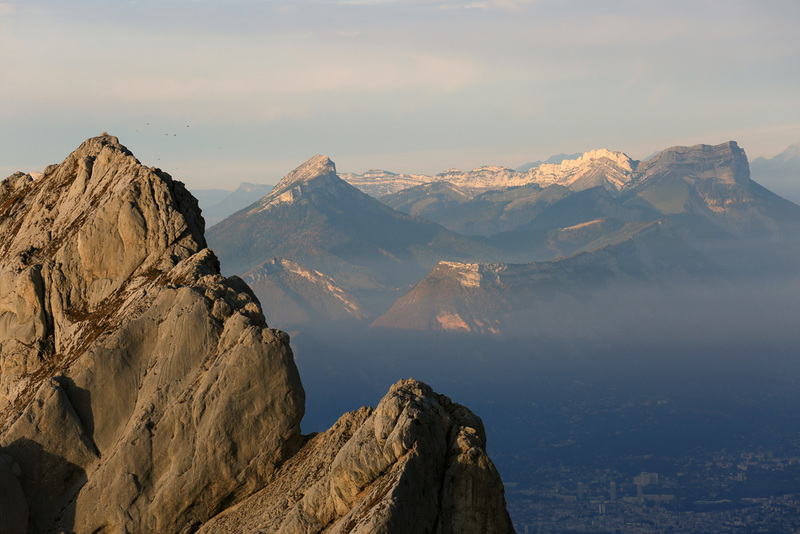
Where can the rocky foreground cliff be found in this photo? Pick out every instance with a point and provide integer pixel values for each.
(141, 391)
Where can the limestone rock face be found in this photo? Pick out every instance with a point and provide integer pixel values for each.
(139, 389)
(416, 463)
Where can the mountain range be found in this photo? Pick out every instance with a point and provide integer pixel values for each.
(372, 251)
(314, 218)
(598, 167)
(710, 183)
(500, 297)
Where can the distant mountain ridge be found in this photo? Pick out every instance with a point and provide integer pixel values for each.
(292, 295)
(612, 237)
(372, 252)
(377, 183)
(476, 213)
(484, 297)
(557, 159)
(597, 167)
(781, 173)
(707, 187)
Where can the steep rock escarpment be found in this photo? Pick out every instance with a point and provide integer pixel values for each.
(712, 182)
(141, 391)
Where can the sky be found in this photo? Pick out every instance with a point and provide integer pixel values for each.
(219, 92)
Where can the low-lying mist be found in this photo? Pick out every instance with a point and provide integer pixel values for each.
(630, 370)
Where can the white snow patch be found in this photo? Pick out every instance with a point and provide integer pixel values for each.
(614, 166)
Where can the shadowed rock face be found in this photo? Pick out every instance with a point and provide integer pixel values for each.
(13, 506)
(141, 391)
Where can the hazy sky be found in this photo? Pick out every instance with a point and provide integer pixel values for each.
(217, 92)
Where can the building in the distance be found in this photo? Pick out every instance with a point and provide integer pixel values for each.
(645, 479)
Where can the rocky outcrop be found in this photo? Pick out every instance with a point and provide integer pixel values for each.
(141, 391)
(417, 463)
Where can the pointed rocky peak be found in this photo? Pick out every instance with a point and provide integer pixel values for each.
(317, 173)
(95, 225)
(94, 145)
(106, 290)
(318, 167)
(101, 183)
